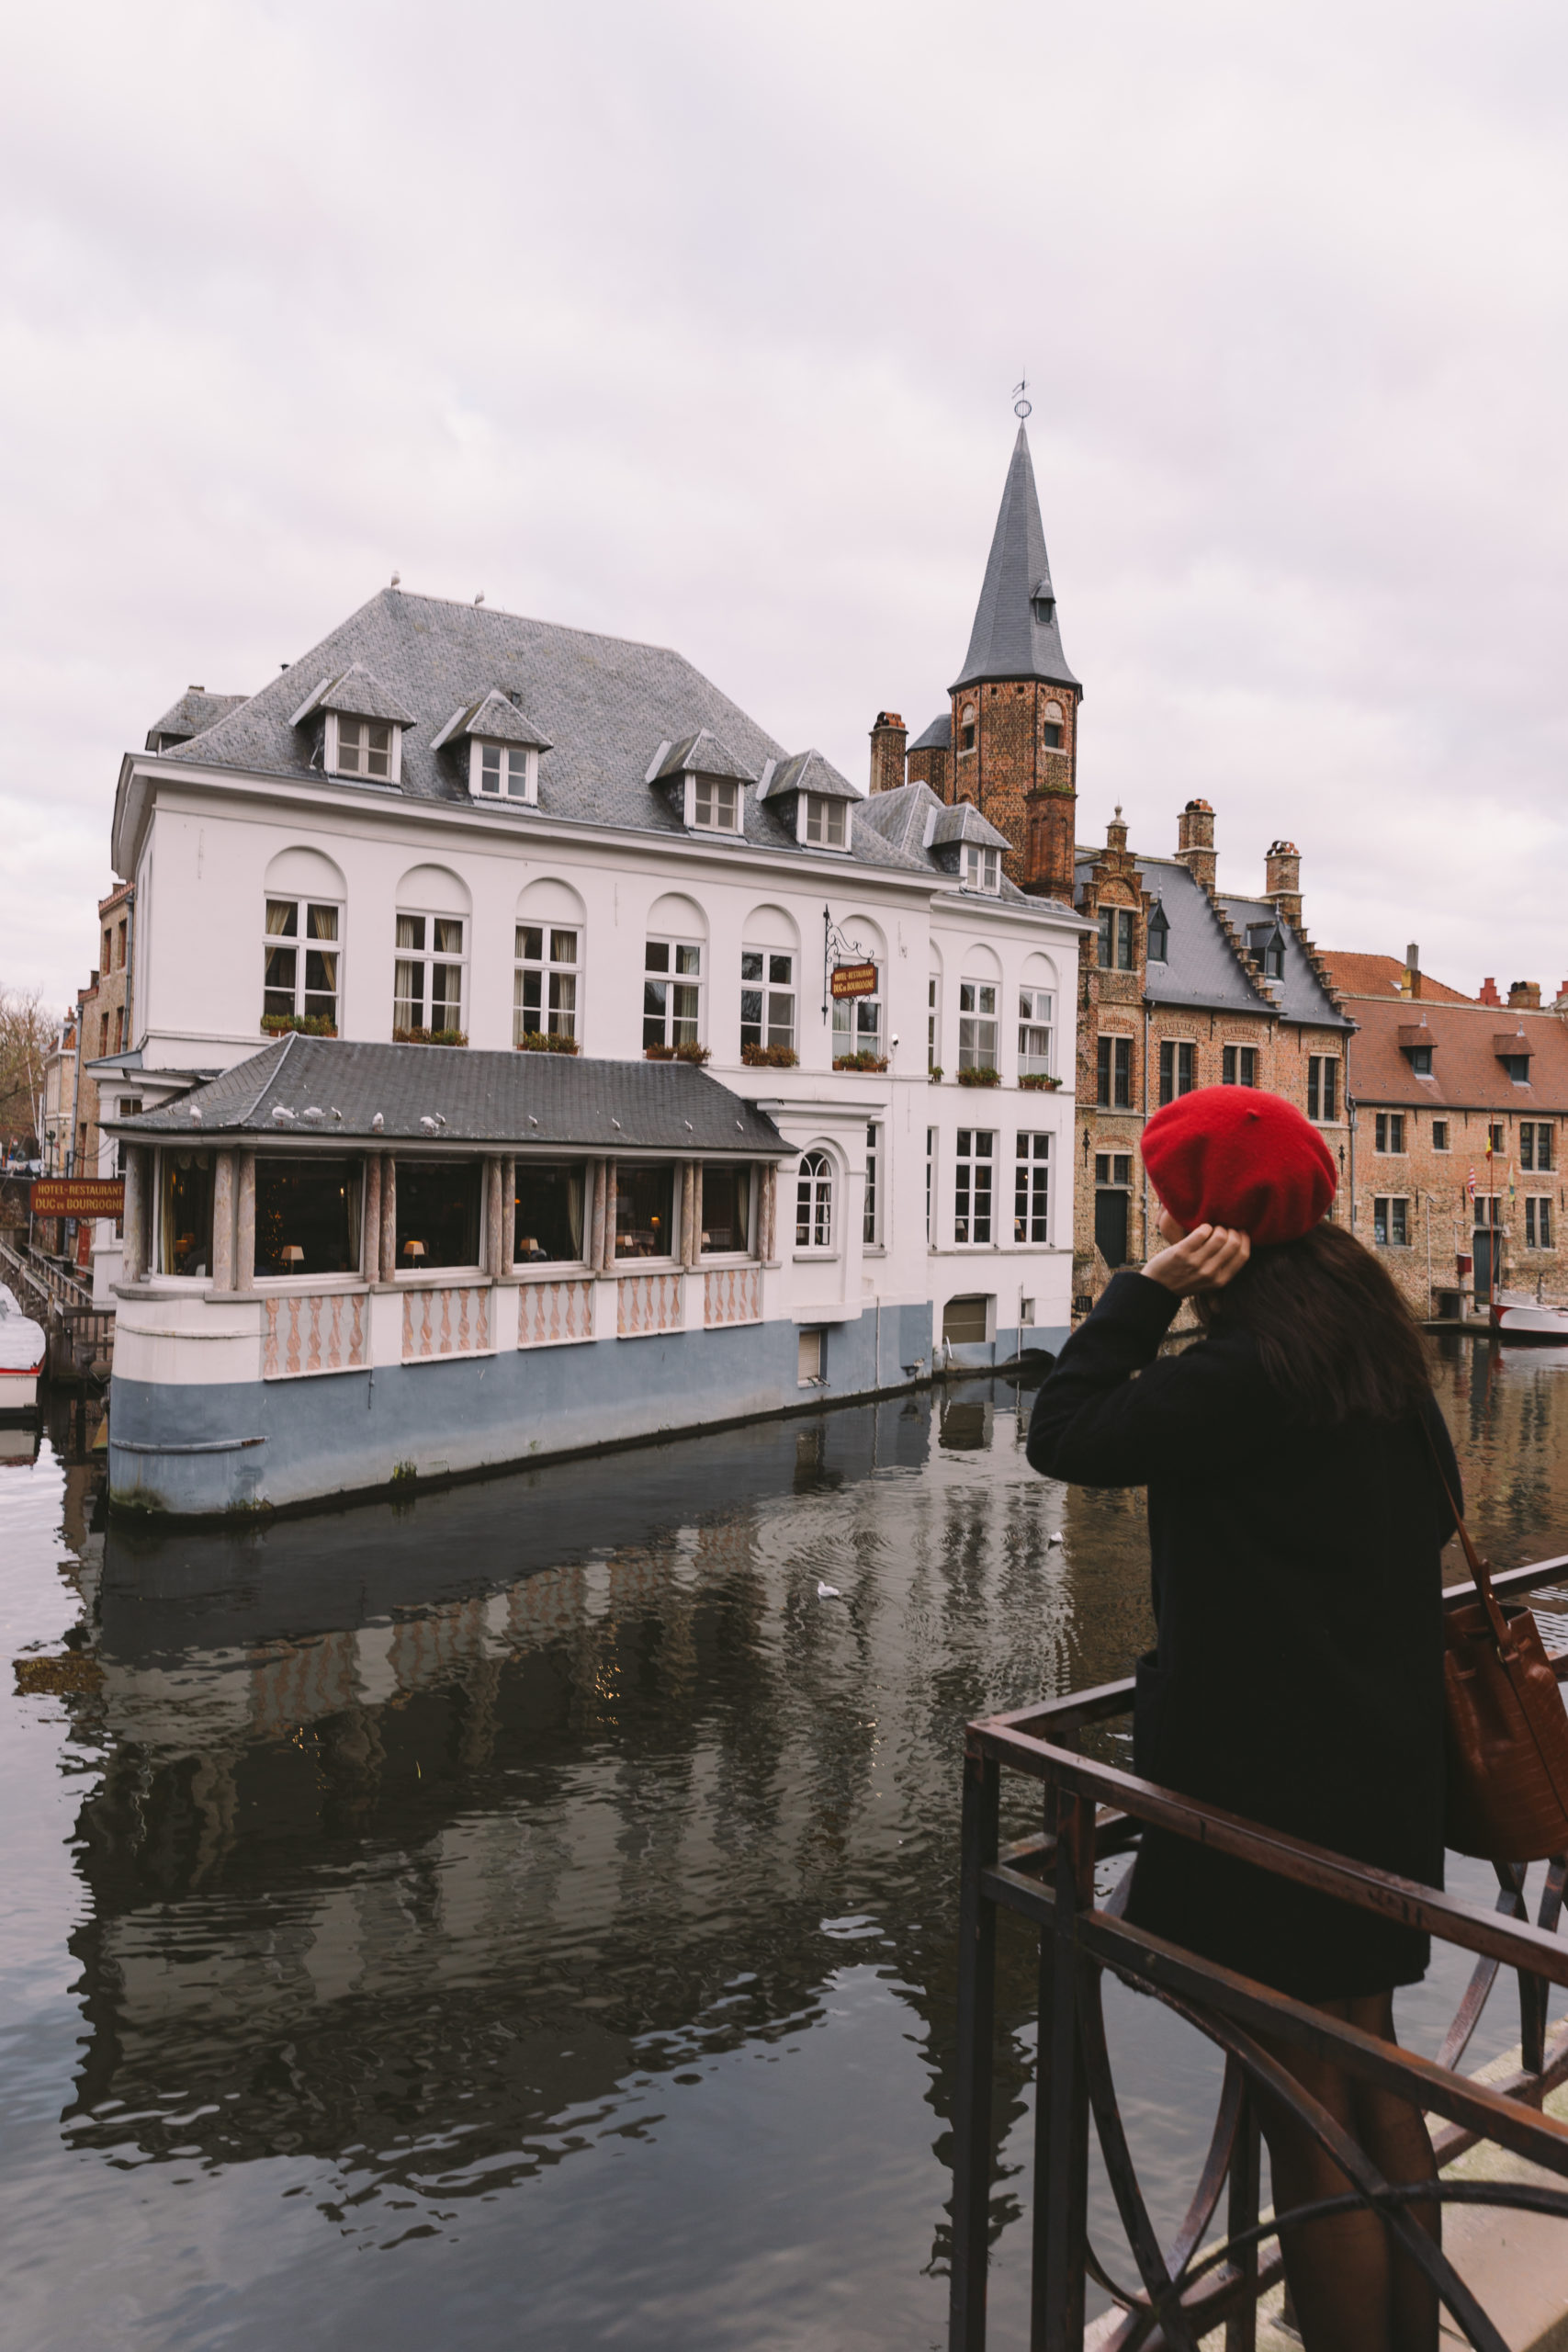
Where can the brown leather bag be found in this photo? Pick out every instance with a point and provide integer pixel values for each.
(1507, 1731)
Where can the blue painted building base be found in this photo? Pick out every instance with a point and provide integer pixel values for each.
(203, 1452)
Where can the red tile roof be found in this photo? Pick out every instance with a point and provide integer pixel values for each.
(1380, 976)
(1467, 1074)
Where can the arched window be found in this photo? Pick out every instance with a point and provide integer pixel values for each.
(814, 1203)
(1051, 727)
(966, 728)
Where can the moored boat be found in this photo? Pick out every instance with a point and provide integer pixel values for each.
(1517, 1317)
(22, 1350)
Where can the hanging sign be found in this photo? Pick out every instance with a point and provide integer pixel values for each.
(853, 980)
(78, 1196)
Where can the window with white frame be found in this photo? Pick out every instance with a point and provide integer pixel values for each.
(931, 1187)
(1390, 1222)
(302, 973)
(813, 1202)
(1032, 1189)
(1537, 1222)
(869, 1230)
(366, 747)
(972, 1185)
(1036, 1016)
(767, 998)
(977, 1025)
(982, 868)
(715, 804)
(500, 771)
(824, 821)
(427, 977)
(672, 993)
(934, 1010)
(545, 981)
(857, 1022)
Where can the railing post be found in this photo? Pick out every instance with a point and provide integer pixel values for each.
(1241, 2215)
(1061, 2167)
(976, 2016)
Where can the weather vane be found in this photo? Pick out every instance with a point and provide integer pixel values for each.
(1022, 407)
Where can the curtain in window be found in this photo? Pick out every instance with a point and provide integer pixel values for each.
(280, 918)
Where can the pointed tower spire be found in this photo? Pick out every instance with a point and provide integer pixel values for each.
(1016, 634)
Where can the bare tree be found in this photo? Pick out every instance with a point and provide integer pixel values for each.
(27, 1031)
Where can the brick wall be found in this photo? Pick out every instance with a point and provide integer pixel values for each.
(1440, 1221)
(1024, 785)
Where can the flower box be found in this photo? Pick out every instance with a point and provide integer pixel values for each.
(1037, 1083)
(935, 1074)
(539, 1041)
(307, 1025)
(860, 1061)
(696, 1054)
(768, 1056)
(984, 1076)
(430, 1037)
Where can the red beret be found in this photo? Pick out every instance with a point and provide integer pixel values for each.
(1234, 1155)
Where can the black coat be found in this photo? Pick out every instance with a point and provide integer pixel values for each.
(1299, 1673)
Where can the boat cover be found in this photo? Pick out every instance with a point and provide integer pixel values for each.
(22, 1342)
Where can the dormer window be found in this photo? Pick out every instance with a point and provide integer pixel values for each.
(713, 804)
(364, 747)
(1518, 1068)
(823, 823)
(1159, 935)
(982, 868)
(1051, 727)
(966, 728)
(1421, 1060)
(503, 771)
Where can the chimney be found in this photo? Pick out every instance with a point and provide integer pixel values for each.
(889, 738)
(1524, 996)
(1116, 832)
(1487, 994)
(1283, 880)
(1195, 842)
(1410, 985)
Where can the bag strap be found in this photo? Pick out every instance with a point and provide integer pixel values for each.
(1480, 1572)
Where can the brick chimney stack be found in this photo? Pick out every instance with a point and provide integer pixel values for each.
(1487, 994)
(1282, 881)
(1195, 842)
(1524, 996)
(1116, 832)
(1410, 982)
(889, 738)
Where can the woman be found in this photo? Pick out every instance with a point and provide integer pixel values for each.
(1295, 1522)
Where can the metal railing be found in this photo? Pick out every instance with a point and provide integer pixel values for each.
(1094, 1811)
(44, 1277)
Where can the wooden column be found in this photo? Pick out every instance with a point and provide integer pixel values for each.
(245, 1221)
(593, 1245)
(134, 1267)
(768, 1235)
(493, 1264)
(223, 1220)
(508, 1215)
(388, 1216)
(690, 1238)
(370, 1219)
(609, 1258)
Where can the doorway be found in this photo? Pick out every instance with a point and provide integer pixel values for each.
(1110, 1228)
(1488, 1262)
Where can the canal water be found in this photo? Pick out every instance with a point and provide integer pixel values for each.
(526, 1916)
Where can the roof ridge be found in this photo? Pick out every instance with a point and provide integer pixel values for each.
(500, 612)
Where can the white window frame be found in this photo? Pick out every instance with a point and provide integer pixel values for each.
(1031, 1188)
(696, 822)
(771, 992)
(332, 749)
(814, 1190)
(555, 1019)
(977, 1013)
(1388, 1202)
(871, 1236)
(671, 980)
(981, 869)
(931, 1187)
(300, 942)
(516, 770)
(1030, 1063)
(811, 1349)
(933, 1022)
(848, 1022)
(968, 1215)
(822, 809)
(429, 955)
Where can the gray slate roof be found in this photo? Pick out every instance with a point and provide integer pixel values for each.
(544, 1101)
(809, 772)
(1012, 637)
(962, 821)
(904, 817)
(195, 711)
(938, 736)
(605, 704)
(496, 719)
(702, 754)
(1203, 970)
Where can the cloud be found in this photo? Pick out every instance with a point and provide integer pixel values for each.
(697, 325)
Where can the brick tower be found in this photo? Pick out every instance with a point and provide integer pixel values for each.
(1015, 702)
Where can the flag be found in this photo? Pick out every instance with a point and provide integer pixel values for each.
(1469, 1187)
(1510, 1183)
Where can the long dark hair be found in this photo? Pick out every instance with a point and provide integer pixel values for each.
(1333, 1332)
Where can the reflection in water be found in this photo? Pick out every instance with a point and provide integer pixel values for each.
(437, 1854)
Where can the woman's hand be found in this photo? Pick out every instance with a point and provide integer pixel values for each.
(1205, 1258)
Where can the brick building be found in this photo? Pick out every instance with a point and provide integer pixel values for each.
(1185, 985)
(1458, 1106)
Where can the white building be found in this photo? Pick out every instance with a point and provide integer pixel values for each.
(448, 822)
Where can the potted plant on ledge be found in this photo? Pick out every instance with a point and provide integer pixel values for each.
(768, 1056)
(1036, 1083)
(540, 1041)
(980, 1074)
(860, 1061)
(417, 1036)
(308, 1024)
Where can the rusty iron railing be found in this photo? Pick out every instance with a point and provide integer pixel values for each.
(1094, 1811)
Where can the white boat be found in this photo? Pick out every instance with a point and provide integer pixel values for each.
(1514, 1317)
(22, 1350)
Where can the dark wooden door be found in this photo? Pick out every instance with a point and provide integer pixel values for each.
(1488, 1262)
(1111, 1227)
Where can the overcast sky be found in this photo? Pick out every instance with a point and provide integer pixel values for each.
(696, 322)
